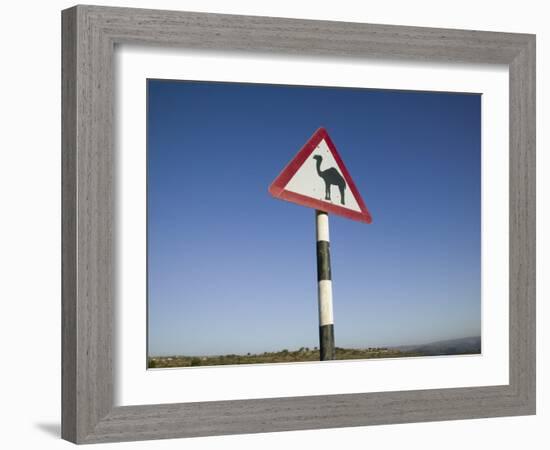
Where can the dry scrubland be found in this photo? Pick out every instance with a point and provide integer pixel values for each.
(303, 354)
(461, 346)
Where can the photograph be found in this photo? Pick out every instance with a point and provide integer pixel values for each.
(237, 276)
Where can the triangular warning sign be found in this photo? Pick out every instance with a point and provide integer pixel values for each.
(317, 177)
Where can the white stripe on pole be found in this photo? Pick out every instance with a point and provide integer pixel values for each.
(325, 303)
(322, 227)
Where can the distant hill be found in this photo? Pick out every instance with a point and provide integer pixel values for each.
(462, 346)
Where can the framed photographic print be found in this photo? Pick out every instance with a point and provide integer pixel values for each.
(196, 302)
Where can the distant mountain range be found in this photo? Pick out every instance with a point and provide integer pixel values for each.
(462, 346)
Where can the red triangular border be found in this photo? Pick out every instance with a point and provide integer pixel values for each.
(277, 188)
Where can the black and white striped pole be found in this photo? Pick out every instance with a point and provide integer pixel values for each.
(326, 319)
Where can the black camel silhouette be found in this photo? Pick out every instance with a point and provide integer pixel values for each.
(331, 176)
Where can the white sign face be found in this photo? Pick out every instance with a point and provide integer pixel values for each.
(320, 175)
(317, 178)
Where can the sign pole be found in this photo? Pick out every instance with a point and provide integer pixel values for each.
(326, 320)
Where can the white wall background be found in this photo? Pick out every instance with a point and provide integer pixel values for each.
(30, 230)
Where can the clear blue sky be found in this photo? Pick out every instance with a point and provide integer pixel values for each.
(233, 270)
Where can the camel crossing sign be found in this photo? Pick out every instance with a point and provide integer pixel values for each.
(317, 177)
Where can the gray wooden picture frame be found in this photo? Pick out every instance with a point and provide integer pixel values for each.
(89, 37)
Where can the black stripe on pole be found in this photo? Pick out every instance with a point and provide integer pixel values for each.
(326, 340)
(323, 261)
